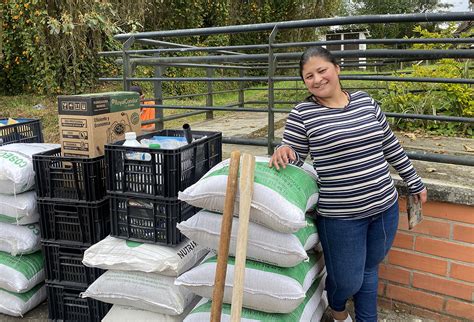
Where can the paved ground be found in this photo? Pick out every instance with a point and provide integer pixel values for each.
(254, 124)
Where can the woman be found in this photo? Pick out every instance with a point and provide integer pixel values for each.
(351, 144)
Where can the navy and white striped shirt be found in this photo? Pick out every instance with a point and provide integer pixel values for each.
(350, 148)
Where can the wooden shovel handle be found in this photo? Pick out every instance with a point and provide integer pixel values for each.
(247, 172)
(226, 229)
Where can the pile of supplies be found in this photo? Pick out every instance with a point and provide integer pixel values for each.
(22, 271)
(285, 271)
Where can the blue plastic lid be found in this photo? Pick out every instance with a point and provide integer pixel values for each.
(169, 138)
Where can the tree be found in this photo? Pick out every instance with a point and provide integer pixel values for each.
(261, 11)
(398, 30)
(51, 46)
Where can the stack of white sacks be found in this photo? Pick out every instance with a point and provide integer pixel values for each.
(285, 272)
(21, 261)
(140, 279)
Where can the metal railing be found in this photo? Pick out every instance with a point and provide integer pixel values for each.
(280, 57)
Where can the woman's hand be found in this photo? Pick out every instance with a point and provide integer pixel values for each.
(421, 197)
(282, 156)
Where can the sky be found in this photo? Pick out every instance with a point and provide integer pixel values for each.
(458, 5)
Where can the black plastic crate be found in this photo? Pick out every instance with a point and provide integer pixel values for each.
(72, 178)
(63, 265)
(74, 223)
(65, 304)
(26, 131)
(167, 171)
(148, 220)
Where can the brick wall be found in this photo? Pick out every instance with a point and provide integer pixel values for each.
(430, 269)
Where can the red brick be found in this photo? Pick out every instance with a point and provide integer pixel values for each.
(418, 262)
(426, 227)
(402, 222)
(381, 288)
(403, 240)
(461, 309)
(402, 204)
(433, 228)
(445, 249)
(463, 233)
(394, 274)
(443, 286)
(449, 211)
(403, 294)
(462, 272)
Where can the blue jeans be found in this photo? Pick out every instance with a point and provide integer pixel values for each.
(353, 250)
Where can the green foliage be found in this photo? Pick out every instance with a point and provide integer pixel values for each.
(51, 47)
(211, 13)
(433, 98)
(54, 49)
(261, 11)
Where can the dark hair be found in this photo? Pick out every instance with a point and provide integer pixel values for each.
(316, 51)
(137, 89)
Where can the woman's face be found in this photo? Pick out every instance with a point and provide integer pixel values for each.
(321, 77)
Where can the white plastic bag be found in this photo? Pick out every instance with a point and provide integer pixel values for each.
(323, 304)
(146, 291)
(16, 240)
(119, 254)
(19, 209)
(120, 313)
(16, 166)
(280, 198)
(266, 288)
(17, 304)
(305, 312)
(21, 273)
(264, 245)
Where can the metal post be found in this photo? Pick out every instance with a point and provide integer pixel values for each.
(271, 94)
(127, 68)
(209, 98)
(241, 89)
(158, 95)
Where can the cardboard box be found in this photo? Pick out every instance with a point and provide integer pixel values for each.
(87, 122)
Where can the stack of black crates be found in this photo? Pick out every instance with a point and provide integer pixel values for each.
(74, 214)
(144, 193)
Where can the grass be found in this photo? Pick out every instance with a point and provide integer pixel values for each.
(27, 105)
(45, 107)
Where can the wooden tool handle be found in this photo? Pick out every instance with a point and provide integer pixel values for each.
(247, 172)
(226, 229)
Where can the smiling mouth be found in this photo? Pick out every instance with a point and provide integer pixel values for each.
(320, 85)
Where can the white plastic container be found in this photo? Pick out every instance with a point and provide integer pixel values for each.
(131, 140)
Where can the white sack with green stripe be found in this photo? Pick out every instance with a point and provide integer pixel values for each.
(124, 255)
(19, 209)
(120, 313)
(280, 199)
(146, 291)
(16, 166)
(17, 240)
(264, 245)
(17, 304)
(304, 312)
(267, 288)
(21, 273)
(322, 306)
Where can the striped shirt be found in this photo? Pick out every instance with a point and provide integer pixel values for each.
(350, 148)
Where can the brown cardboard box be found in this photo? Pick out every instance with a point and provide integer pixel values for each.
(88, 122)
